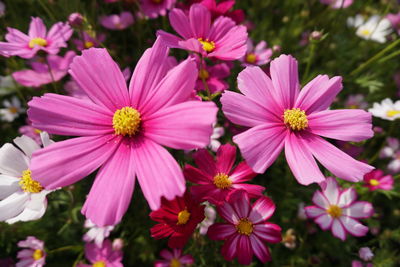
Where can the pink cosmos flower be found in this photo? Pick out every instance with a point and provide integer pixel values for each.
(214, 77)
(356, 101)
(222, 39)
(376, 179)
(217, 179)
(104, 255)
(365, 253)
(33, 255)
(338, 210)
(31, 132)
(223, 8)
(117, 22)
(155, 8)
(173, 259)
(258, 55)
(40, 74)
(247, 229)
(360, 264)
(26, 46)
(395, 20)
(392, 150)
(336, 4)
(89, 41)
(281, 116)
(122, 131)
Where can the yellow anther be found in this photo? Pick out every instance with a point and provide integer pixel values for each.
(203, 74)
(37, 41)
(251, 58)
(37, 254)
(374, 182)
(174, 263)
(126, 121)
(89, 44)
(208, 45)
(28, 184)
(392, 113)
(334, 210)
(244, 227)
(183, 217)
(99, 264)
(296, 119)
(222, 181)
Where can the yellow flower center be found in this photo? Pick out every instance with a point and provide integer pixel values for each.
(366, 32)
(296, 119)
(13, 110)
(99, 264)
(208, 45)
(174, 263)
(89, 44)
(251, 58)
(374, 182)
(222, 181)
(334, 210)
(37, 131)
(156, 1)
(203, 74)
(392, 113)
(37, 254)
(37, 41)
(28, 184)
(126, 121)
(183, 217)
(244, 227)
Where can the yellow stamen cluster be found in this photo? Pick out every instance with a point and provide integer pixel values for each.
(334, 210)
(208, 45)
(366, 32)
(374, 182)
(13, 110)
(203, 74)
(392, 113)
(37, 254)
(296, 119)
(28, 184)
(174, 263)
(244, 227)
(99, 264)
(37, 41)
(251, 58)
(222, 181)
(89, 44)
(126, 121)
(183, 217)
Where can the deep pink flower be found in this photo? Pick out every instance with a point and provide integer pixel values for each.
(338, 210)
(213, 76)
(217, 179)
(40, 74)
(26, 46)
(258, 55)
(247, 230)
(224, 8)
(173, 259)
(33, 255)
(122, 131)
(395, 20)
(337, 3)
(155, 8)
(222, 39)
(117, 22)
(376, 179)
(282, 116)
(89, 41)
(104, 255)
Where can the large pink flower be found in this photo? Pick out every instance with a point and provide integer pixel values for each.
(122, 130)
(247, 230)
(281, 116)
(222, 39)
(338, 210)
(26, 46)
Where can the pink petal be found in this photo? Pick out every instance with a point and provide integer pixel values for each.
(338, 230)
(101, 78)
(205, 162)
(220, 27)
(332, 190)
(346, 124)
(196, 176)
(59, 34)
(229, 249)
(324, 221)
(354, 227)
(169, 40)
(261, 145)
(110, 195)
(227, 212)
(320, 200)
(347, 197)
(359, 210)
(253, 190)
(37, 28)
(180, 23)
(158, 173)
(226, 156)
(240, 202)
(260, 249)
(246, 252)
(16, 36)
(232, 45)
(65, 115)
(269, 232)
(192, 119)
(221, 231)
(314, 211)
(209, 193)
(262, 210)
(200, 20)
(242, 173)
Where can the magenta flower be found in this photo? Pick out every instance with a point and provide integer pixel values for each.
(338, 210)
(258, 55)
(33, 255)
(336, 4)
(117, 22)
(247, 229)
(213, 77)
(173, 259)
(395, 21)
(155, 8)
(222, 39)
(40, 74)
(88, 41)
(26, 46)
(122, 131)
(217, 179)
(360, 264)
(281, 116)
(102, 256)
(223, 8)
(376, 179)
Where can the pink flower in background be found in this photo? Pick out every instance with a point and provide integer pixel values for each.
(40, 74)
(282, 116)
(376, 179)
(33, 255)
(365, 254)
(26, 46)
(360, 264)
(258, 55)
(173, 259)
(75, 19)
(337, 209)
(395, 21)
(122, 130)
(222, 39)
(223, 8)
(217, 179)
(214, 77)
(246, 231)
(102, 256)
(356, 101)
(392, 150)
(117, 22)
(155, 8)
(89, 41)
(349, 148)
(31, 132)
(337, 3)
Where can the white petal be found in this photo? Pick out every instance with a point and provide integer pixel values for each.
(8, 186)
(12, 161)
(13, 205)
(338, 230)
(26, 144)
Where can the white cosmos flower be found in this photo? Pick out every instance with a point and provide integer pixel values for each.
(12, 109)
(375, 28)
(216, 134)
(96, 233)
(386, 110)
(21, 197)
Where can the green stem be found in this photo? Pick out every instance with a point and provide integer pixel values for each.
(309, 60)
(45, 7)
(392, 55)
(52, 76)
(63, 249)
